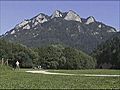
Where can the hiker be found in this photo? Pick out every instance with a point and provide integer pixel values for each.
(17, 65)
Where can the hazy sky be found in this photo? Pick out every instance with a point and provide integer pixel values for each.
(13, 12)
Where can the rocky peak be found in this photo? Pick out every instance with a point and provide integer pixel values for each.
(56, 13)
(71, 15)
(111, 30)
(23, 23)
(90, 19)
(40, 18)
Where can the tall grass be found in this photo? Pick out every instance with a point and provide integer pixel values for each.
(4, 67)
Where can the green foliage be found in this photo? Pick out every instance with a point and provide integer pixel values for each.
(55, 57)
(78, 60)
(14, 52)
(49, 57)
(109, 53)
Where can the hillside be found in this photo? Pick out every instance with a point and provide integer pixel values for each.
(108, 53)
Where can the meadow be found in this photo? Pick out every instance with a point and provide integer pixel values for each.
(19, 79)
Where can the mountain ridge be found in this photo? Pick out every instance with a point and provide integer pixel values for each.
(61, 27)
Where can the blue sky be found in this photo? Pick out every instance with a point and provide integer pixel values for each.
(13, 12)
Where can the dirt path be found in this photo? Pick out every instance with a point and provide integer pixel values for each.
(45, 72)
(92, 75)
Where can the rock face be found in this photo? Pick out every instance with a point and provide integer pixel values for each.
(41, 18)
(57, 13)
(25, 22)
(61, 27)
(71, 15)
(90, 20)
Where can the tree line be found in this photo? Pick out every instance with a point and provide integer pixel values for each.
(57, 56)
(49, 57)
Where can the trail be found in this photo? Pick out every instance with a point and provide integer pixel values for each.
(87, 75)
(45, 72)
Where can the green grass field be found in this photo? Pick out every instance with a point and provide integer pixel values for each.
(19, 79)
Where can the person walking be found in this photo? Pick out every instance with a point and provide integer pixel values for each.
(17, 65)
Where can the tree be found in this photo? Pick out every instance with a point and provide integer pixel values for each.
(14, 52)
(109, 53)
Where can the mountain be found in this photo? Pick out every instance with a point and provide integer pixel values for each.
(66, 28)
